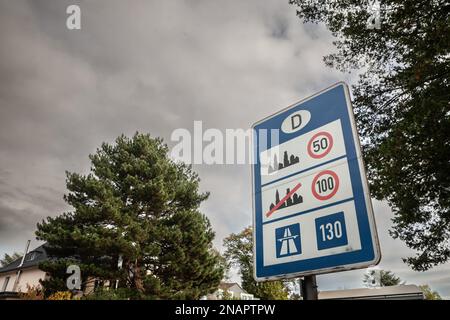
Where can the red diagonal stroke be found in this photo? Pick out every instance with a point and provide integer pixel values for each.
(283, 200)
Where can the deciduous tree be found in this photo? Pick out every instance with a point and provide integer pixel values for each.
(429, 293)
(239, 253)
(380, 278)
(402, 106)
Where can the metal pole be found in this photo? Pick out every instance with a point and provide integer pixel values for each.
(309, 288)
(25, 253)
(19, 272)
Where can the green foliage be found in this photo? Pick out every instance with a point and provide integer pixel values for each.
(136, 203)
(429, 293)
(385, 278)
(61, 295)
(7, 259)
(295, 296)
(270, 290)
(402, 108)
(227, 295)
(56, 267)
(114, 294)
(239, 253)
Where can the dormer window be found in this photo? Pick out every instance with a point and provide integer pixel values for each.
(31, 256)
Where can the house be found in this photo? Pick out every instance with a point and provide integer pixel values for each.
(231, 291)
(23, 272)
(400, 292)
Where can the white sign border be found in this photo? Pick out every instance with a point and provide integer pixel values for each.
(368, 202)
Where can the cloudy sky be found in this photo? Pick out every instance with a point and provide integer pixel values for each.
(154, 66)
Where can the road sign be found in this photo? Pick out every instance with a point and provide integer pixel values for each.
(312, 211)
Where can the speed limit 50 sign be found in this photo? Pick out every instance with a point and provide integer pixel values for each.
(312, 211)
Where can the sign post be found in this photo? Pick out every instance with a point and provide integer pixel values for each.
(308, 287)
(312, 211)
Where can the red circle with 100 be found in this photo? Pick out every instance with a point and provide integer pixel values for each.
(329, 183)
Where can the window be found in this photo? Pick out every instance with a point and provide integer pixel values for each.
(31, 256)
(246, 296)
(5, 284)
(219, 294)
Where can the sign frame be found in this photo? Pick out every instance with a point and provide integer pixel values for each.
(258, 226)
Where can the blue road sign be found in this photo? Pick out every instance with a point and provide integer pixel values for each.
(288, 240)
(312, 211)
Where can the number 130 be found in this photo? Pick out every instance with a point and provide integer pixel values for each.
(331, 230)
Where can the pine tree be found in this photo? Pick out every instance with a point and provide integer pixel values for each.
(7, 259)
(139, 206)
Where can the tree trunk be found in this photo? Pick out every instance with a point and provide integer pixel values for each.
(137, 279)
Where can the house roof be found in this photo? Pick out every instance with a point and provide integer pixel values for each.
(227, 285)
(33, 258)
(391, 292)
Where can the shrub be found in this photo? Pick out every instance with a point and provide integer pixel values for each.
(61, 295)
(32, 293)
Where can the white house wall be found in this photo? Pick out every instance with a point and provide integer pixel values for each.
(29, 276)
